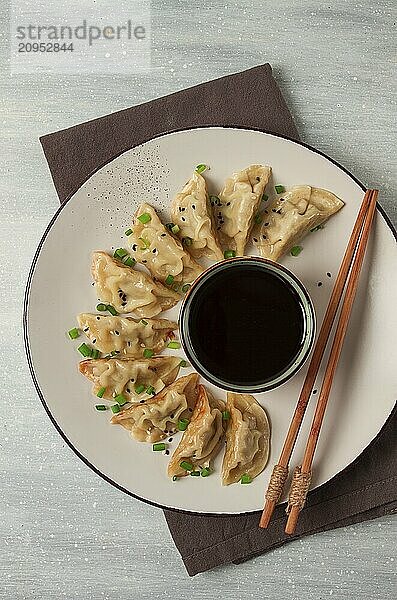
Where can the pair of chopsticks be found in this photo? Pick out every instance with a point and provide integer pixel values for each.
(348, 277)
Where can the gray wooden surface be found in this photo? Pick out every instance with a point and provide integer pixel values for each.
(65, 533)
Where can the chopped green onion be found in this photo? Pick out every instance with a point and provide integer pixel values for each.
(226, 415)
(148, 353)
(101, 392)
(205, 472)
(201, 168)
(215, 201)
(144, 322)
(173, 345)
(183, 363)
(186, 287)
(175, 229)
(114, 352)
(150, 390)
(279, 189)
(175, 287)
(128, 232)
(115, 408)
(101, 407)
(120, 253)
(187, 241)
(74, 333)
(258, 218)
(84, 350)
(139, 388)
(146, 243)
(265, 197)
(175, 478)
(129, 261)
(169, 279)
(111, 309)
(317, 228)
(120, 399)
(170, 226)
(187, 466)
(195, 473)
(159, 447)
(101, 307)
(296, 250)
(182, 424)
(95, 353)
(229, 253)
(245, 478)
(144, 218)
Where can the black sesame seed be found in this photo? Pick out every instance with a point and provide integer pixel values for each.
(274, 210)
(85, 329)
(116, 332)
(329, 274)
(166, 451)
(134, 247)
(183, 219)
(132, 380)
(124, 304)
(144, 261)
(183, 209)
(193, 206)
(180, 209)
(170, 439)
(172, 416)
(314, 391)
(266, 224)
(94, 341)
(128, 390)
(227, 203)
(320, 283)
(255, 239)
(98, 318)
(141, 401)
(163, 235)
(264, 237)
(258, 178)
(154, 251)
(128, 343)
(281, 199)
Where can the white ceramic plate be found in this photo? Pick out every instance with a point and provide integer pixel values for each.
(96, 217)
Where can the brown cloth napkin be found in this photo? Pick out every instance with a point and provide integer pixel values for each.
(364, 490)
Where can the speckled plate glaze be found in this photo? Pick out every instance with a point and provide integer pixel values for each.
(96, 217)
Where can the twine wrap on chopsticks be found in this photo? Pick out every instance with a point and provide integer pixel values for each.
(299, 488)
(276, 483)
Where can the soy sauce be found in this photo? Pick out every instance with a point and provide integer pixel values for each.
(246, 325)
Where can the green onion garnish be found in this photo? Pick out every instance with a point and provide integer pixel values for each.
(225, 415)
(206, 471)
(144, 322)
(148, 353)
(74, 333)
(265, 197)
(245, 478)
(139, 388)
(187, 466)
(175, 229)
(183, 363)
(182, 424)
(175, 478)
(115, 408)
(144, 218)
(101, 392)
(146, 243)
(84, 350)
(175, 287)
(101, 407)
(159, 447)
(195, 473)
(186, 287)
(229, 253)
(120, 399)
(129, 261)
(111, 309)
(258, 218)
(114, 352)
(150, 390)
(170, 226)
(95, 353)
(173, 345)
(279, 189)
(169, 279)
(296, 250)
(187, 241)
(101, 307)
(128, 232)
(201, 168)
(120, 253)
(317, 228)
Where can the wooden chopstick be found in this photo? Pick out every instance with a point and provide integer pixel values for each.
(280, 470)
(302, 476)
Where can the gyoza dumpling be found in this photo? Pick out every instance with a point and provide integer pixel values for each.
(130, 337)
(247, 438)
(156, 418)
(191, 211)
(202, 439)
(293, 215)
(155, 247)
(240, 199)
(130, 377)
(128, 289)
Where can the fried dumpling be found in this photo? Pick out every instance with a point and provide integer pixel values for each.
(191, 211)
(202, 439)
(156, 418)
(155, 247)
(240, 199)
(125, 335)
(130, 377)
(247, 438)
(129, 290)
(293, 215)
